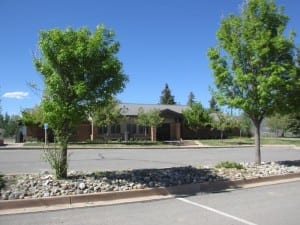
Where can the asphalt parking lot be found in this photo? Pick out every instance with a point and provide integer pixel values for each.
(29, 160)
(266, 205)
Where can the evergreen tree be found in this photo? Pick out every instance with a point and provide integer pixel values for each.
(166, 97)
(191, 99)
(213, 106)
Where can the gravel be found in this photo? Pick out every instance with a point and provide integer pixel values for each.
(45, 185)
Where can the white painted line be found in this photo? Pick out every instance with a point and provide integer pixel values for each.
(217, 211)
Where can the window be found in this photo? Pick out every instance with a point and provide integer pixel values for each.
(115, 129)
(131, 128)
(102, 130)
(142, 129)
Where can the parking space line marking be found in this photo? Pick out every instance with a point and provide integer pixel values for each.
(216, 211)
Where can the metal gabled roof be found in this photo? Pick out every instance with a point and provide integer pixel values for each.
(132, 109)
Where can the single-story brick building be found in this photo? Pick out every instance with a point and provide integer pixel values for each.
(172, 127)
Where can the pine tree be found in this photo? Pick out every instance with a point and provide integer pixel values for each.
(166, 97)
(191, 99)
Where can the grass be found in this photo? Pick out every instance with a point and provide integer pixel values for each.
(228, 141)
(250, 141)
(110, 144)
(209, 142)
(229, 165)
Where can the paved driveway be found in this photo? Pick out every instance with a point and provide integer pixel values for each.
(268, 205)
(19, 161)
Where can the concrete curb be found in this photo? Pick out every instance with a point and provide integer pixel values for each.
(188, 189)
(148, 147)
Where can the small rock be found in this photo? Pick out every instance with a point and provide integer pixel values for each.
(81, 186)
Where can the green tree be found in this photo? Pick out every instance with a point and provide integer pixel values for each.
(244, 124)
(107, 115)
(222, 122)
(191, 99)
(278, 123)
(253, 63)
(80, 70)
(33, 116)
(150, 119)
(294, 123)
(196, 116)
(166, 97)
(213, 105)
(10, 124)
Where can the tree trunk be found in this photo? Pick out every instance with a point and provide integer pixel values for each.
(63, 171)
(153, 133)
(145, 133)
(257, 141)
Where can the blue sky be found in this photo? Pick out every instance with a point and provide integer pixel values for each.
(162, 41)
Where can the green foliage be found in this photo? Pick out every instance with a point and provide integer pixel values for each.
(213, 105)
(222, 122)
(254, 63)
(54, 157)
(229, 165)
(10, 124)
(191, 99)
(166, 97)
(196, 116)
(294, 123)
(244, 124)
(278, 123)
(150, 118)
(108, 114)
(34, 116)
(80, 71)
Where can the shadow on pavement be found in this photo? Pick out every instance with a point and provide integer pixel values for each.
(177, 181)
(290, 163)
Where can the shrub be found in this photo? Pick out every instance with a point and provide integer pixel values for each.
(54, 157)
(2, 181)
(230, 165)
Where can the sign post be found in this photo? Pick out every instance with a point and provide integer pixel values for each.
(45, 128)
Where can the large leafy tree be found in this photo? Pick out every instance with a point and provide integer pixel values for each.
(166, 96)
(80, 71)
(254, 63)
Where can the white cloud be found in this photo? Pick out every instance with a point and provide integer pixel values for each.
(16, 95)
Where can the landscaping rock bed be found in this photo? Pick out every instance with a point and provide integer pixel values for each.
(44, 184)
